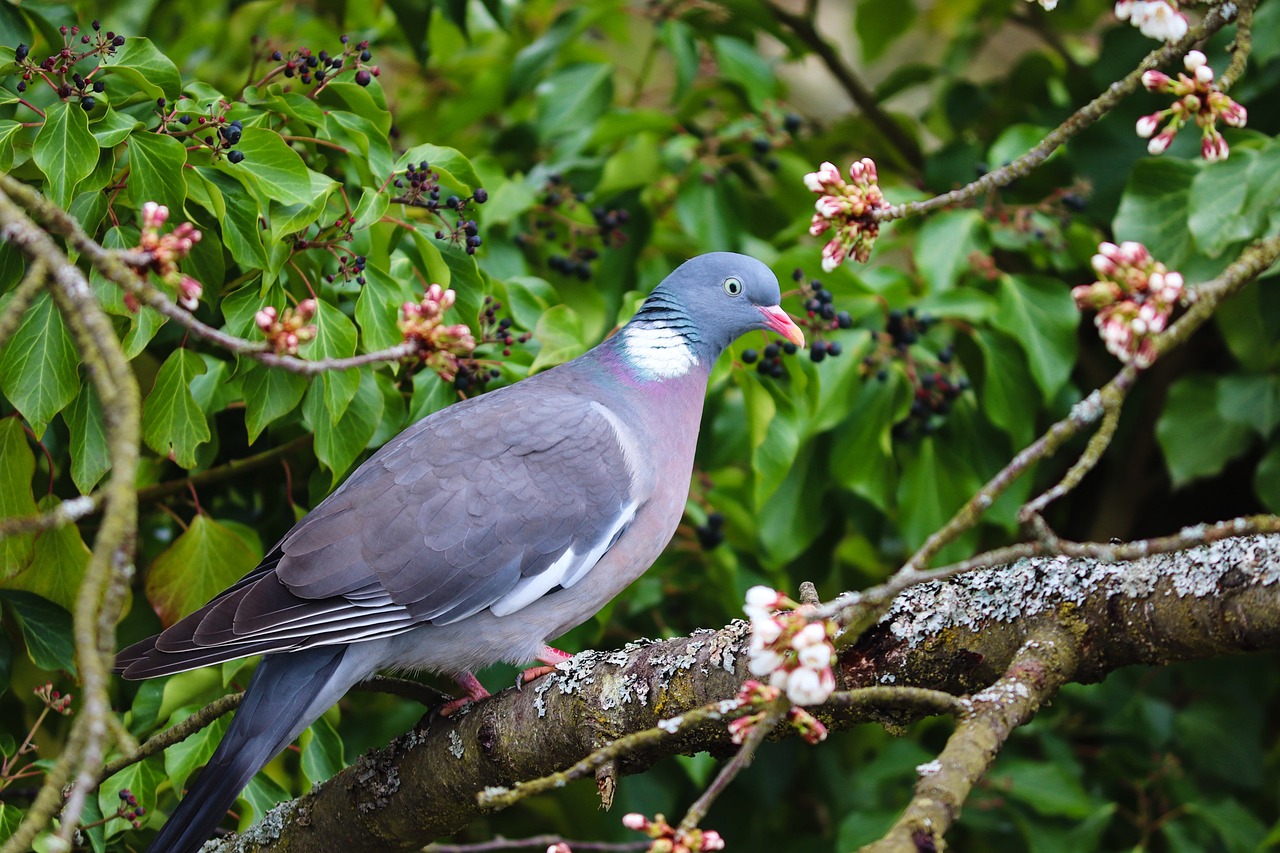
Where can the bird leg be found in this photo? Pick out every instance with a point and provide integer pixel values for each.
(472, 690)
(548, 656)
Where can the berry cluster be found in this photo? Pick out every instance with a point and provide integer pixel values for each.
(793, 652)
(849, 208)
(671, 839)
(821, 317)
(1134, 296)
(53, 700)
(421, 188)
(935, 381)
(474, 374)
(559, 220)
(769, 362)
(129, 809)
(935, 394)
(286, 332)
(441, 346)
(58, 69)
(1199, 98)
(212, 129)
(711, 534)
(321, 67)
(160, 253)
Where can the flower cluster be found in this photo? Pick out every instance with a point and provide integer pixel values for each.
(671, 839)
(1134, 297)
(848, 208)
(440, 346)
(793, 652)
(286, 332)
(1198, 98)
(162, 251)
(54, 700)
(1157, 19)
(753, 693)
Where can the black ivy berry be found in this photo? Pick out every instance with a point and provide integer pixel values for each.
(117, 41)
(481, 195)
(277, 55)
(750, 356)
(711, 534)
(363, 77)
(818, 351)
(21, 52)
(791, 123)
(87, 103)
(99, 86)
(235, 156)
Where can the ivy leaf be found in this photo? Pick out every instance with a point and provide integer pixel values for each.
(1040, 314)
(46, 629)
(173, 424)
(206, 559)
(155, 170)
(559, 330)
(571, 99)
(936, 481)
(57, 564)
(321, 752)
(378, 308)
(743, 64)
(65, 151)
(454, 168)
(335, 338)
(862, 458)
(38, 367)
(1196, 440)
(142, 780)
(17, 466)
(269, 394)
(237, 215)
(340, 440)
(139, 62)
(270, 165)
(945, 243)
(193, 752)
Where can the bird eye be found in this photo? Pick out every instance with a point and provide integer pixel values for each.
(732, 286)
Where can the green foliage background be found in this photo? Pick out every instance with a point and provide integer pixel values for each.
(677, 114)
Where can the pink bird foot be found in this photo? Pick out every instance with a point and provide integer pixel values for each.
(472, 690)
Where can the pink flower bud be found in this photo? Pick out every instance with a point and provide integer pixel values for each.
(1160, 143)
(1124, 8)
(189, 291)
(559, 847)
(1233, 114)
(1147, 125)
(826, 177)
(265, 318)
(1193, 60)
(1204, 74)
(306, 309)
(711, 840)
(1154, 80)
(154, 215)
(1102, 265)
(1213, 147)
(635, 821)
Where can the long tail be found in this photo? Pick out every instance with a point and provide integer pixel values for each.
(287, 693)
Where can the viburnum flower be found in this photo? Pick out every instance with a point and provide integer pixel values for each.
(161, 252)
(440, 345)
(793, 652)
(1157, 19)
(1198, 98)
(1134, 296)
(848, 208)
(670, 839)
(286, 332)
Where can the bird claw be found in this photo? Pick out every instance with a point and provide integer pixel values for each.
(472, 690)
(548, 656)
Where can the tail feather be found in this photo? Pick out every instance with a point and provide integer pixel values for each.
(286, 694)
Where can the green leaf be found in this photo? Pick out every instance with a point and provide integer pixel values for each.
(321, 752)
(1266, 479)
(335, 338)
(945, 243)
(1040, 314)
(237, 214)
(1049, 787)
(173, 424)
(712, 212)
(454, 168)
(1153, 210)
(287, 219)
(373, 204)
(1251, 400)
(193, 752)
(269, 394)
(339, 441)
(38, 366)
(270, 165)
(147, 69)
(17, 467)
(155, 170)
(1196, 440)
(1014, 141)
(46, 629)
(65, 151)
(57, 565)
(570, 100)
(528, 298)
(741, 63)
(206, 559)
(378, 308)
(862, 459)
(559, 331)
(879, 25)
(8, 130)
(936, 481)
(142, 780)
(1002, 379)
(114, 127)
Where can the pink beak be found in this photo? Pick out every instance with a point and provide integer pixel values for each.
(780, 321)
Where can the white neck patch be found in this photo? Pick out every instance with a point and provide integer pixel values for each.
(657, 353)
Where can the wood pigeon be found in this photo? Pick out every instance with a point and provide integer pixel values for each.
(475, 536)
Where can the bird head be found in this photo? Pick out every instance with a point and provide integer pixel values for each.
(701, 308)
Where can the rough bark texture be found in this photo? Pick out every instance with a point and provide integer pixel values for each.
(963, 636)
